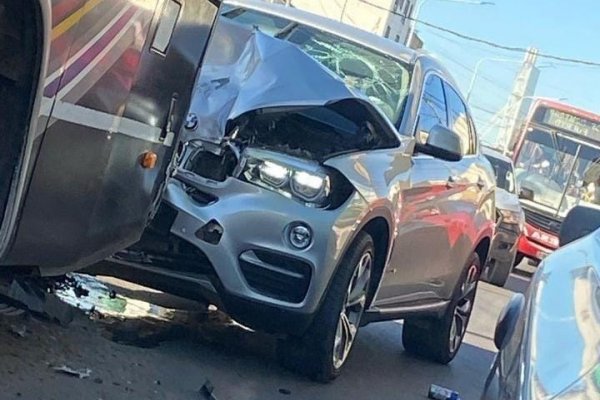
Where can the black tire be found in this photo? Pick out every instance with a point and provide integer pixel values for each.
(430, 337)
(312, 354)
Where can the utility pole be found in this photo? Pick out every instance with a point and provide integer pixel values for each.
(518, 105)
(343, 13)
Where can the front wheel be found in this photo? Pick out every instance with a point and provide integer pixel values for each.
(439, 339)
(323, 350)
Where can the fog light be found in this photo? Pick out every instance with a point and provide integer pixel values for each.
(300, 236)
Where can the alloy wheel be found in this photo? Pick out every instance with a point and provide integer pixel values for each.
(463, 308)
(352, 310)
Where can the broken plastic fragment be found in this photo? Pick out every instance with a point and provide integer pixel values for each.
(80, 373)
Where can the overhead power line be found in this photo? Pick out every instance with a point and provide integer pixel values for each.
(484, 41)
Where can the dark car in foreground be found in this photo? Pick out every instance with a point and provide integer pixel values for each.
(331, 178)
(510, 221)
(549, 342)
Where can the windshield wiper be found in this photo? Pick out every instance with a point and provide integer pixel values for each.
(286, 30)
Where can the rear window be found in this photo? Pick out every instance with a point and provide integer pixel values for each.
(505, 178)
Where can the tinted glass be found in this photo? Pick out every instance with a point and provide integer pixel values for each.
(433, 107)
(458, 120)
(504, 173)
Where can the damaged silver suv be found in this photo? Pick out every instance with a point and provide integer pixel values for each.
(330, 178)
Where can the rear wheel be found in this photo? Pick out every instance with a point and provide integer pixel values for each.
(323, 350)
(439, 339)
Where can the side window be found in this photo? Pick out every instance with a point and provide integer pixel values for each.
(433, 107)
(458, 120)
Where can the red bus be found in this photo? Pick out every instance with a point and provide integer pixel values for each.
(557, 166)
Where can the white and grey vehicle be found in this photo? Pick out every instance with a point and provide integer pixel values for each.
(510, 220)
(330, 178)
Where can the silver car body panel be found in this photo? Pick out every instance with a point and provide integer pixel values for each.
(555, 351)
(407, 192)
(507, 201)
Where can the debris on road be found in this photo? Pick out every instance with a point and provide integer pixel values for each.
(8, 310)
(38, 298)
(80, 373)
(18, 331)
(206, 391)
(440, 393)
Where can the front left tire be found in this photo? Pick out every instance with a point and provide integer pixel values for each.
(323, 350)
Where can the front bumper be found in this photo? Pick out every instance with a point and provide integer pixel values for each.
(504, 245)
(253, 253)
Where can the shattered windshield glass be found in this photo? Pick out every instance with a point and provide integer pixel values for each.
(383, 79)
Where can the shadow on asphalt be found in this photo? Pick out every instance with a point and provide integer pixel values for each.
(242, 363)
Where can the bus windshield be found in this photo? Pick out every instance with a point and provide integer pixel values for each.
(560, 171)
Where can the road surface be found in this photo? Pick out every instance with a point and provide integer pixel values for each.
(172, 359)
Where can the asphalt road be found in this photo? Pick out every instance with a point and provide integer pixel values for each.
(178, 355)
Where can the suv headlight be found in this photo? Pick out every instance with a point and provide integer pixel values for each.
(304, 182)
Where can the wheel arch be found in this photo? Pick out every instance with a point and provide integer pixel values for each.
(41, 21)
(379, 230)
(483, 249)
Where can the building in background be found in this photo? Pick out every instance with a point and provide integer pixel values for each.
(376, 16)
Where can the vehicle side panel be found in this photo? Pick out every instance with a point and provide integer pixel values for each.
(107, 96)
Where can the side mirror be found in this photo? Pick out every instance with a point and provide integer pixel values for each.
(507, 321)
(579, 222)
(526, 194)
(442, 143)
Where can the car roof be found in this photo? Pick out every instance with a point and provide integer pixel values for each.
(353, 34)
(488, 151)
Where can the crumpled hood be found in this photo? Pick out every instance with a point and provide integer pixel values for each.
(245, 70)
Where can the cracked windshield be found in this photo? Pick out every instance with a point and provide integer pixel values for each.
(383, 79)
(299, 199)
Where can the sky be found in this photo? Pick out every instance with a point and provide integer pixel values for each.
(559, 27)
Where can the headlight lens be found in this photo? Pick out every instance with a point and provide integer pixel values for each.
(273, 173)
(310, 185)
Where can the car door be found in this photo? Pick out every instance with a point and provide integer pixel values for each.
(421, 248)
(464, 192)
(122, 95)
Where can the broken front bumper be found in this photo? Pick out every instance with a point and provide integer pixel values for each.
(243, 231)
(504, 245)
